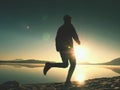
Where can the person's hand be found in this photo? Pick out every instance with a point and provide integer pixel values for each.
(79, 42)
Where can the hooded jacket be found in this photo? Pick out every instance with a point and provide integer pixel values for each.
(64, 38)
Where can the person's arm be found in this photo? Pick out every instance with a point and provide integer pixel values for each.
(56, 42)
(75, 36)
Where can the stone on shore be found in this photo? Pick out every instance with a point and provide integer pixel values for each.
(91, 84)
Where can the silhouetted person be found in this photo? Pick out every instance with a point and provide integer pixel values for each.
(64, 44)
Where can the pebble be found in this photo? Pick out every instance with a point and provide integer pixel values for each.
(91, 84)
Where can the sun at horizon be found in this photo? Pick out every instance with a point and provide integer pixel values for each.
(81, 53)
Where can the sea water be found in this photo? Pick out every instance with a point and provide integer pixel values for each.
(33, 73)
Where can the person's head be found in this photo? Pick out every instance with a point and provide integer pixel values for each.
(67, 18)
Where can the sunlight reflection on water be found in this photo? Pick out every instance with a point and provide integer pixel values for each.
(33, 74)
(80, 78)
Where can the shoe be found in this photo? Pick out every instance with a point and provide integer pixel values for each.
(68, 84)
(46, 68)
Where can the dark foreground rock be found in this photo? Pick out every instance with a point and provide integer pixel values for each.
(92, 84)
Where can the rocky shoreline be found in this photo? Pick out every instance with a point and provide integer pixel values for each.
(91, 84)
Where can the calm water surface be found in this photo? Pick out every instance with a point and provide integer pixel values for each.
(33, 73)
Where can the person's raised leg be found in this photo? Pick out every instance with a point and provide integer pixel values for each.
(64, 63)
(46, 68)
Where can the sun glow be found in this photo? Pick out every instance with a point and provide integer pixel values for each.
(80, 53)
(80, 75)
(80, 78)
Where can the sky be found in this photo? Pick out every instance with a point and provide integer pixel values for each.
(28, 28)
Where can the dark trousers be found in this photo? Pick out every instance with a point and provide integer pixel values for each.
(67, 56)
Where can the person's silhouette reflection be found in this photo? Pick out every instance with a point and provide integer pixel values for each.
(64, 44)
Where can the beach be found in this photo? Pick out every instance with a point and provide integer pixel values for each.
(91, 84)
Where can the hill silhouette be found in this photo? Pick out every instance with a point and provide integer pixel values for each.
(115, 62)
(112, 62)
(23, 61)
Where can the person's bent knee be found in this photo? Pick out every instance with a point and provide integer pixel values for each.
(65, 65)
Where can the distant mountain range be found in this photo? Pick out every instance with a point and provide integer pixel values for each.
(23, 61)
(112, 62)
